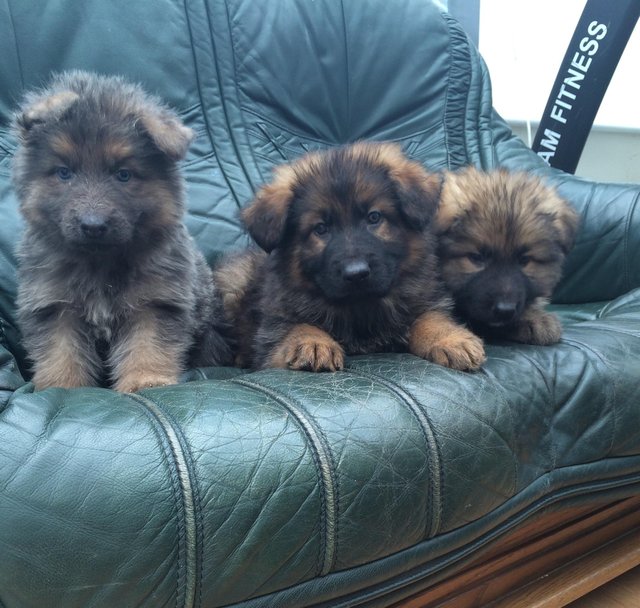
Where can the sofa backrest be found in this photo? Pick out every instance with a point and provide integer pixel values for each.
(263, 81)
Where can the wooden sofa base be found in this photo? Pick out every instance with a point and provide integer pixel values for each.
(548, 563)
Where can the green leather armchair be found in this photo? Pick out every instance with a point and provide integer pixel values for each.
(288, 489)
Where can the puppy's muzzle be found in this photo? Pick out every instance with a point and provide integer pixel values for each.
(504, 311)
(94, 226)
(355, 271)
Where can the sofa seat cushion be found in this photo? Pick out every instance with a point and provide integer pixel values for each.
(253, 483)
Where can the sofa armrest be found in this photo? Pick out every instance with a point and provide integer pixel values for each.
(604, 263)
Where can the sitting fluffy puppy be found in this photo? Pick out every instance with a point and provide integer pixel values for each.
(503, 238)
(111, 287)
(348, 266)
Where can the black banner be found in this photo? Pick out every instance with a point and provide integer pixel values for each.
(591, 59)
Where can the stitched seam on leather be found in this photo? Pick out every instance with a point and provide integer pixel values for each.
(610, 386)
(197, 504)
(626, 249)
(183, 493)
(446, 104)
(324, 463)
(15, 43)
(459, 53)
(435, 480)
(201, 97)
(346, 62)
(289, 130)
(200, 371)
(239, 102)
(199, 518)
(234, 143)
(3, 335)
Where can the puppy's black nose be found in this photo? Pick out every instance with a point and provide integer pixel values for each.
(356, 270)
(504, 311)
(93, 225)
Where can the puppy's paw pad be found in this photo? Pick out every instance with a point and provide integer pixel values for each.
(137, 383)
(317, 357)
(461, 351)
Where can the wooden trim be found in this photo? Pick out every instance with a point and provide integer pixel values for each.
(525, 562)
(577, 578)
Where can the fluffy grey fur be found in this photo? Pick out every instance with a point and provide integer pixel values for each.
(112, 289)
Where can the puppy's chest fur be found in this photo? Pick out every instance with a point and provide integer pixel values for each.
(367, 326)
(102, 299)
(103, 309)
(100, 295)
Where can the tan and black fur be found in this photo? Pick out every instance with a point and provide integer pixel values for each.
(347, 266)
(112, 289)
(503, 238)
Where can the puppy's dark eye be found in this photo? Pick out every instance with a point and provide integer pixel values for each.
(320, 228)
(524, 259)
(64, 173)
(123, 175)
(477, 258)
(374, 217)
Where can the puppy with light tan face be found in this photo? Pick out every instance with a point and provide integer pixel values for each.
(347, 266)
(503, 238)
(112, 289)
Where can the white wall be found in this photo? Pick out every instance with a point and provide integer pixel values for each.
(523, 43)
(610, 155)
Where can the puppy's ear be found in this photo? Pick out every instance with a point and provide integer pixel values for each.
(418, 190)
(266, 216)
(167, 132)
(43, 109)
(565, 221)
(563, 217)
(453, 203)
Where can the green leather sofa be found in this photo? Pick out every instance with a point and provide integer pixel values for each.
(287, 489)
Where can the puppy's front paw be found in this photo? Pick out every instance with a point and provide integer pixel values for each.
(43, 380)
(436, 337)
(537, 327)
(315, 357)
(461, 351)
(55, 373)
(132, 384)
(308, 348)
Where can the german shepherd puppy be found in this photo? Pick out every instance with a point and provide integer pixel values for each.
(503, 238)
(111, 287)
(348, 266)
